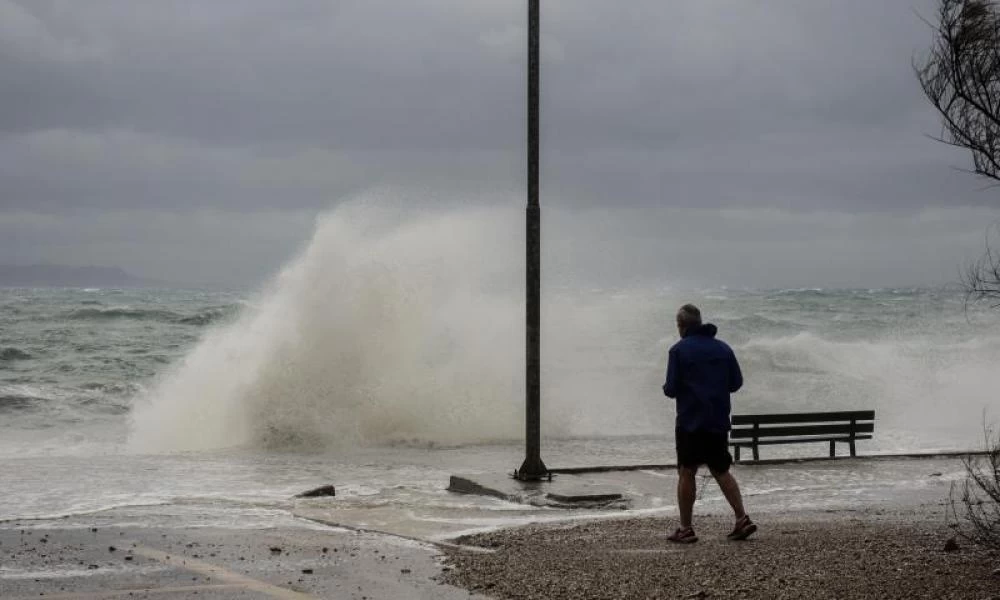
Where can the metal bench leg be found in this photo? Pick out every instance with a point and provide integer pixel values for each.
(737, 449)
(833, 449)
(756, 455)
(852, 447)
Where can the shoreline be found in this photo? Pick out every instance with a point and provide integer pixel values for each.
(865, 529)
(888, 455)
(838, 553)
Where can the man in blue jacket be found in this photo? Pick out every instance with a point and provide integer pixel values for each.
(701, 373)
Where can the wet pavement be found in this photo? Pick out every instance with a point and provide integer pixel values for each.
(76, 562)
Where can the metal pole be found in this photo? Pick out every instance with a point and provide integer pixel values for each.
(533, 468)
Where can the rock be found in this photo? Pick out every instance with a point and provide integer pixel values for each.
(275, 550)
(111, 548)
(307, 571)
(321, 491)
(935, 475)
(951, 545)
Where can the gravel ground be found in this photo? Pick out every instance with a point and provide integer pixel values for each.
(844, 555)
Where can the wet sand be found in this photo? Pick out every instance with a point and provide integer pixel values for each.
(842, 554)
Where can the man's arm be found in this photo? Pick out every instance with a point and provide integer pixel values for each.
(670, 387)
(735, 375)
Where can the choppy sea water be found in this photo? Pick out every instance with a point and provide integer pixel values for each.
(217, 407)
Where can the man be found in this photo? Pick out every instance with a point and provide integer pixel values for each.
(701, 373)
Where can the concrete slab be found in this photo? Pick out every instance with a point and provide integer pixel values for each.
(564, 491)
(587, 497)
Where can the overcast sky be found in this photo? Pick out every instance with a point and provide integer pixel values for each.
(746, 143)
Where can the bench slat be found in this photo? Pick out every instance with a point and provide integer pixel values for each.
(749, 444)
(794, 430)
(857, 415)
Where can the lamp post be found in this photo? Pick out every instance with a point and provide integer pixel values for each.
(533, 468)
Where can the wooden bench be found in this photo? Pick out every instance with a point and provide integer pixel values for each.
(752, 431)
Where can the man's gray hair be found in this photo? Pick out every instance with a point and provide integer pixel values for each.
(689, 316)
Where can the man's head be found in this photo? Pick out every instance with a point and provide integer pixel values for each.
(688, 317)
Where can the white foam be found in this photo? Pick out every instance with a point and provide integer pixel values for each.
(380, 330)
(396, 328)
(387, 329)
(68, 571)
(925, 387)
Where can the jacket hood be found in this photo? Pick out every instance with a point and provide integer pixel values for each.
(707, 330)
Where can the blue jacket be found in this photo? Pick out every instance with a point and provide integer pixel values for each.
(701, 373)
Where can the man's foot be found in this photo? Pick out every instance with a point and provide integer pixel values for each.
(683, 535)
(743, 529)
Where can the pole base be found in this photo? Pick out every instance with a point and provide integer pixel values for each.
(533, 469)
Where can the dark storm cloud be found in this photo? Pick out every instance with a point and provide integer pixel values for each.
(350, 74)
(767, 98)
(129, 108)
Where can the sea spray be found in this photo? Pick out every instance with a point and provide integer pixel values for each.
(929, 389)
(381, 330)
(408, 328)
(395, 328)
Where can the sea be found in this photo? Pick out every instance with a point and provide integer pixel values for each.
(384, 371)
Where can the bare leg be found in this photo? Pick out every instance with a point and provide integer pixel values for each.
(731, 490)
(686, 491)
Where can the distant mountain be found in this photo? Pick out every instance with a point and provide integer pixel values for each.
(67, 276)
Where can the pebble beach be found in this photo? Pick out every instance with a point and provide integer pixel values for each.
(845, 554)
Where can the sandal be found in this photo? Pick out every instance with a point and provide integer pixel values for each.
(743, 529)
(683, 535)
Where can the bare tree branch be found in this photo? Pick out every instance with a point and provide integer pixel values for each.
(978, 520)
(981, 279)
(961, 78)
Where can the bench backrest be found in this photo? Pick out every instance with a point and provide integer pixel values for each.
(846, 423)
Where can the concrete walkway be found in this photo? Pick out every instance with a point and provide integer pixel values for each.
(77, 563)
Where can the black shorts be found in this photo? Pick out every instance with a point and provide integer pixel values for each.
(696, 448)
